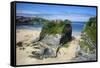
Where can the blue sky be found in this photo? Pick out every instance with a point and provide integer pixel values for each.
(73, 13)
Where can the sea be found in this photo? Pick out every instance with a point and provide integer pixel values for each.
(29, 26)
(77, 28)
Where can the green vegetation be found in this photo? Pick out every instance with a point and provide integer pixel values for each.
(85, 46)
(89, 35)
(90, 28)
(65, 45)
(49, 26)
(53, 28)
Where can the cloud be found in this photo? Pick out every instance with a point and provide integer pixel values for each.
(73, 16)
(27, 12)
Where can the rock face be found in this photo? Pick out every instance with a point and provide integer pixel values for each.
(66, 34)
(47, 53)
(54, 34)
(42, 50)
(52, 40)
(62, 28)
(88, 42)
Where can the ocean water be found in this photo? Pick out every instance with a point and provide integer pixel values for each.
(30, 27)
(77, 28)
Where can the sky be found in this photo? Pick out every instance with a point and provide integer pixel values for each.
(52, 12)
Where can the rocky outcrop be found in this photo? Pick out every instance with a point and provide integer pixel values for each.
(54, 34)
(62, 28)
(90, 28)
(66, 34)
(52, 40)
(88, 42)
(42, 50)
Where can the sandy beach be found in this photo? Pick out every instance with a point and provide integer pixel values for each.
(26, 36)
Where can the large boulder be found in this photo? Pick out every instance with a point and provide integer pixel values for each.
(52, 40)
(42, 50)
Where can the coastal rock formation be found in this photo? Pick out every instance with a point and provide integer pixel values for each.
(58, 27)
(52, 40)
(46, 43)
(89, 35)
(42, 50)
(53, 35)
(66, 34)
(88, 42)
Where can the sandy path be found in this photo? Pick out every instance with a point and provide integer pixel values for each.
(64, 55)
(69, 53)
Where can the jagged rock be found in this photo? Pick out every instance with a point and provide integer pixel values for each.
(51, 28)
(66, 34)
(47, 53)
(42, 50)
(52, 40)
(63, 28)
(81, 55)
(52, 35)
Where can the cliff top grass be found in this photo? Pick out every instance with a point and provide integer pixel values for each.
(54, 27)
(90, 28)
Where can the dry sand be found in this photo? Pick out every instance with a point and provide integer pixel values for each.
(64, 55)
(26, 35)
